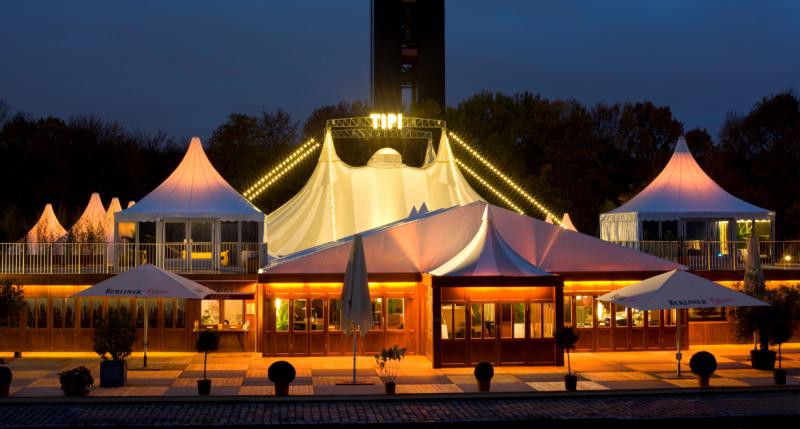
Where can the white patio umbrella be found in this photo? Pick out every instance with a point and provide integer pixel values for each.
(147, 281)
(356, 302)
(679, 290)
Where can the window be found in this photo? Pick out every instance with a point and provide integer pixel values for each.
(97, 311)
(696, 230)
(536, 319)
(476, 324)
(120, 304)
(169, 313)
(229, 232)
(670, 317)
(334, 315)
(584, 311)
(549, 319)
(86, 315)
(637, 318)
(395, 313)
(37, 312)
(669, 230)
(233, 312)
(512, 320)
(317, 314)
(620, 315)
(568, 311)
(716, 314)
(250, 232)
(650, 230)
(209, 312)
(299, 315)
(175, 232)
(377, 313)
(281, 315)
(180, 313)
(489, 327)
(454, 321)
(603, 314)
(64, 313)
(654, 318)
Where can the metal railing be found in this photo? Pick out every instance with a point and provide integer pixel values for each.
(101, 258)
(721, 255)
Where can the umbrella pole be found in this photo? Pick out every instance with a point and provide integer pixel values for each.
(678, 355)
(355, 338)
(146, 316)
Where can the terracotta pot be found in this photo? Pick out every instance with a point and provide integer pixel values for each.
(281, 389)
(391, 387)
(484, 385)
(779, 376)
(703, 380)
(203, 387)
(570, 382)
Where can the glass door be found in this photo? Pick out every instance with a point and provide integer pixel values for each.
(201, 246)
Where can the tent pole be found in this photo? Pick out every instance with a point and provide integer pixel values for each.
(146, 316)
(678, 355)
(355, 338)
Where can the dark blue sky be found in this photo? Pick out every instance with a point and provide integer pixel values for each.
(182, 66)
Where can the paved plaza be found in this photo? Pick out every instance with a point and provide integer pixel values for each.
(175, 374)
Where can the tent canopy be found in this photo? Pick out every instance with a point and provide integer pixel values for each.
(47, 229)
(91, 226)
(194, 190)
(427, 242)
(340, 200)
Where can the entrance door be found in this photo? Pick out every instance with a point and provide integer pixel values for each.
(512, 333)
(203, 254)
(483, 332)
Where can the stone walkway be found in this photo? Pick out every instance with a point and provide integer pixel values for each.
(175, 374)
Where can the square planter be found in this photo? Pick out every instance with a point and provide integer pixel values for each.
(113, 373)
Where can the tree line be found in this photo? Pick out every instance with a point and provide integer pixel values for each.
(574, 158)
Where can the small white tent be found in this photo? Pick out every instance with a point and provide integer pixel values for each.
(340, 200)
(47, 230)
(566, 223)
(91, 226)
(681, 203)
(113, 208)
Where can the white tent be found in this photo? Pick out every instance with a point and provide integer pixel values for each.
(427, 242)
(340, 200)
(47, 230)
(195, 205)
(566, 223)
(91, 226)
(113, 207)
(681, 193)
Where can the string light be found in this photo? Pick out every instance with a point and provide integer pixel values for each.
(287, 165)
(253, 190)
(505, 178)
(489, 187)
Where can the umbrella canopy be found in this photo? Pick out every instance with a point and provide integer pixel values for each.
(356, 303)
(148, 281)
(753, 275)
(679, 289)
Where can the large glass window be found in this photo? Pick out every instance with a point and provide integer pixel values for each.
(670, 317)
(64, 312)
(86, 313)
(489, 326)
(637, 318)
(175, 232)
(281, 314)
(395, 313)
(299, 315)
(250, 232)
(568, 321)
(476, 324)
(654, 318)
(37, 312)
(454, 324)
(233, 312)
(97, 312)
(209, 312)
(377, 313)
(620, 315)
(696, 230)
(168, 306)
(317, 314)
(669, 230)
(584, 311)
(650, 230)
(549, 319)
(536, 319)
(180, 313)
(512, 320)
(603, 314)
(334, 315)
(229, 232)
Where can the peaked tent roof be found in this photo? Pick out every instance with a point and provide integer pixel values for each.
(487, 255)
(194, 189)
(113, 207)
(91, 226)
(340, 200)
(683, 189)
(566, 223)
(47, 229)
(425, 243)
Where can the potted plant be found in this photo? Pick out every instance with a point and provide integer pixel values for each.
(114, 336)
(484, 371)
(566, 338)
(784, 309)
(281, 373)
(786, 316)
(703, 364)
(388, 362)
(207, 341)
(76, 381)
(12, 303)
(5, 380)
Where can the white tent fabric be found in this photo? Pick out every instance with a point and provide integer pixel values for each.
(681, 190)
(549, 219)
(566, 223)
(427, 242)
(113, 207)
(487, 255)
(194, 190)
(47, 230)
(91, 226)
(339, 200)
(131, 203)
(679, 290)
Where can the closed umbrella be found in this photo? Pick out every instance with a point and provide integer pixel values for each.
(753, 275)
(679, 290)
(147, 281)
(356, 302)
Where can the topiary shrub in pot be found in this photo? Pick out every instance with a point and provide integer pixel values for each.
(5, 381)
(114, 336)
(207, 341)
(76, 381)
(566, 338)
(388, 363)
(281, 373)
(484, 371)
(703, 364)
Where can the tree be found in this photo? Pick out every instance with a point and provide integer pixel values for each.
(12, 301)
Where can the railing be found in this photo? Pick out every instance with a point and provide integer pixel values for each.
(100, 258)
(721, 255)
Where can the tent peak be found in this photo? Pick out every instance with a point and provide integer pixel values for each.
(681, 146)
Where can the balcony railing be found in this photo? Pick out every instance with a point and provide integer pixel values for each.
(101, 258)
(721, 255)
